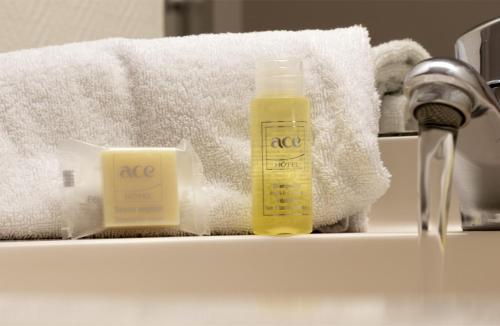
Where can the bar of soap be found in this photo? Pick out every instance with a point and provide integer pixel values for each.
(140, 187)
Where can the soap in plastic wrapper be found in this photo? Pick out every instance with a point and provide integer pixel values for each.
(131, 189)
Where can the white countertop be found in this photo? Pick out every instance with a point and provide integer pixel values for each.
(244, 279)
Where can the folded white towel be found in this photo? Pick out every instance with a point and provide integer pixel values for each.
(393, 60)
(121, 92)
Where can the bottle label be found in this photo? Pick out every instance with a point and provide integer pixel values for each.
(286, 172)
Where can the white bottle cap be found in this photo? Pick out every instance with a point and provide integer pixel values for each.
(280, 77)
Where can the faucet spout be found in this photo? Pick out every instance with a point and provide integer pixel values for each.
(452, 83)
(449, 95)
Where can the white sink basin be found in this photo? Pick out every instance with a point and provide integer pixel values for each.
(315, 279)
(397, 210)
(379, 277)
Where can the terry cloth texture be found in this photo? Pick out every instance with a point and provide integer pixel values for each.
(393, 60)
(121, 92)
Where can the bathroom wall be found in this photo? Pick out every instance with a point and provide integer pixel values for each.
(35, 23)
(434, 23)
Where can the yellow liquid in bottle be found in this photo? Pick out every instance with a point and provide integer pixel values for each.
(281, 165)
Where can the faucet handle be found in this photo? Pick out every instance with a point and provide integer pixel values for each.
(480, 47)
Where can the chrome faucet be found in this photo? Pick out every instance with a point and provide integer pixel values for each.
(463, 96)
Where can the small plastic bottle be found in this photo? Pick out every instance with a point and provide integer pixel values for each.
(281, 150)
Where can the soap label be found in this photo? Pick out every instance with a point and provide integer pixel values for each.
(140, 187)
(137, 178)
(285, 172)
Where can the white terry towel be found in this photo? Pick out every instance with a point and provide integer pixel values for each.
(393, 60)
(121, 92)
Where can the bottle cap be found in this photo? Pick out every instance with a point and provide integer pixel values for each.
(279, 77)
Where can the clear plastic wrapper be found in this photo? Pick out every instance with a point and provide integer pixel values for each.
(131, 189)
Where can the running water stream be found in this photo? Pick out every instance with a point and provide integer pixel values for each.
(439, 143)
(436, 143)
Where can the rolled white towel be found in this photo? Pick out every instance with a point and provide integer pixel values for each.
(121, 92)
(393, 60)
